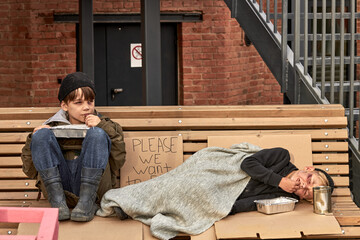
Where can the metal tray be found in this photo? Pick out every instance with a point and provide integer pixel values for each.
(276, 205)
(70, 131)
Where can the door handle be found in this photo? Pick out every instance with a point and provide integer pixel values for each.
(115, 91)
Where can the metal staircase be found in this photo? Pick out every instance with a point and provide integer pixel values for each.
(310, 47)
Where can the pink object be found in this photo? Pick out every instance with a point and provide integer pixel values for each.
(47, 217)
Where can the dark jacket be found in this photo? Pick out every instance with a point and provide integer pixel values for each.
(116, 158)
(266, 169)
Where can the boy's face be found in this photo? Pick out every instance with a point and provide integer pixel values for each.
(308, 179)
(79, 108)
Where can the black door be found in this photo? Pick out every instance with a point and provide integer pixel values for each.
(119, 82)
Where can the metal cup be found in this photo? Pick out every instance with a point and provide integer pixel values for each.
(322, 200)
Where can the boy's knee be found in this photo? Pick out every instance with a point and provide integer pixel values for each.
(96, 133)
(42, 134)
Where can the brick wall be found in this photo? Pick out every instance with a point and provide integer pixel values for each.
(215, 65)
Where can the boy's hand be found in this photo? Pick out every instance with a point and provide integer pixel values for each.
(289, 185)
(40, 127)
(92, 120)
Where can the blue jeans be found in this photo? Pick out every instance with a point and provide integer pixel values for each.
(46, 153)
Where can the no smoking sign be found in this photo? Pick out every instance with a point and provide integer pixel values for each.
(136, 55)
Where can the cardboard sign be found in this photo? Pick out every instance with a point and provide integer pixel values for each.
(149, 157)
(299, 146)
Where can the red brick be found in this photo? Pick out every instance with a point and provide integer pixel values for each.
(39, 50)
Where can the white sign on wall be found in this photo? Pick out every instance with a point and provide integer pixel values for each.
(136, 55)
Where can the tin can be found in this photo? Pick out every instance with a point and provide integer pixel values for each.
(322, 199)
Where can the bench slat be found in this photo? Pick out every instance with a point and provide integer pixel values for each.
(13, 137)
(334, 169)
(11, 148)
(340, 181)
(316, 146)
(348, 218)
(316, 134)
(11, 173)
(23, 195)
(23, 185)
(206, 123)
(341, 192)
(233, 123)
(10, 162)
(331, 158)
(329, 146)
(310, 110)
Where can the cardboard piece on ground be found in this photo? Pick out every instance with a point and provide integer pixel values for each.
(299, 146)
(276, 226)
(99, 228)
(207, 235)
(149, 157)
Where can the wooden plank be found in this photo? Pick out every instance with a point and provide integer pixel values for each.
(345, 207)
(23, 185)
(13, 137)
(311, 110)
(330, 158)
(206, 123)
(317, 158)
(12, 173)
(334, 169)
(9, 231)
(18, 195)
(10, 161)
(332, 146)
(14, 203)
(19, 125)
(233, 123)
(193, 147)
(341, 199)
(221, 111)
(341, 181)
(351, 232)
(11, 148)
(348, 233)
(348, 218)
(316, 134)
(341, 192)
(28, 203)
(329, 146)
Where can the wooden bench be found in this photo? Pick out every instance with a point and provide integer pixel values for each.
(326, 124)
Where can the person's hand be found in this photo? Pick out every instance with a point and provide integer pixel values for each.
(289, 185)
(92, 120)
(40, 127)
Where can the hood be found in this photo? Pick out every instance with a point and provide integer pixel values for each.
(60, 116)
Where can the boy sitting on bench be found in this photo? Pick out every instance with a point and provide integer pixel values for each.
(75, 172)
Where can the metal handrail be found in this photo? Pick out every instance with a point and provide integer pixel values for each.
(307, 49)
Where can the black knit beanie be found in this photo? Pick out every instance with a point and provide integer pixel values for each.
(74, 81)
(330, 180)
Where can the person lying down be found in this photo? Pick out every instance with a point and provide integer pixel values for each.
(213, 183)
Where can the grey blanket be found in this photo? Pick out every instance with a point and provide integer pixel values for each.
(189, 198)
